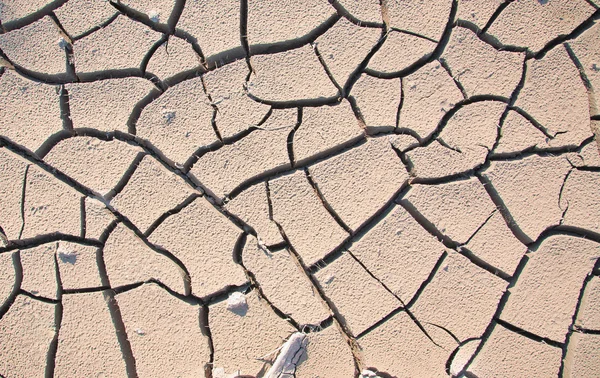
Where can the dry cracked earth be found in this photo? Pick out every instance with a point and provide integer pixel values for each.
(283, 188)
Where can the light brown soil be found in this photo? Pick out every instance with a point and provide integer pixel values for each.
(285, 188)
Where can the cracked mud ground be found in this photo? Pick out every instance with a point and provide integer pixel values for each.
(314, 188)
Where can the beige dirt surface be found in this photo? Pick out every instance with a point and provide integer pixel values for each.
(299, 188)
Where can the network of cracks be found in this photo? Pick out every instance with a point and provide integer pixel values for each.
(286, 188)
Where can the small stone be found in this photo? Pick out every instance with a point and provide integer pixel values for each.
(154, 15)
(237, 304)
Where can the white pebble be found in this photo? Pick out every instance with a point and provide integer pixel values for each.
(237, 303)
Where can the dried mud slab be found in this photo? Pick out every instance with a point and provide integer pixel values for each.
(105, 105)
(244, 344)
(378, 100)
(206, 247)
(231, 165)
(87, 341)
(351, 289)
(368, 10)
(390, 248)
(215, 26)
(543, 97)
(589, 157)
(120, 45)
(151, 315)
(429, 93)
(283, 284)
(323, 129)
(12, 10)
(179, 121)
(24, 103)
(310, 228)
(445, 303)
(252, 206)
(532, 195)
(157, 10)
(400, 51)
(533, 24)
(99, 164)
(408, 16)
(372, 171)
(587, 56)
(419, 352)
(289, 76)
(82, 16)
(589, 315)
(344, 47)
(480, 68)
(462, 355)
(577, 200)
(478, 12)
(495, 243)
(456, 209)
(97, 217)
(7, 280)
(519, 134)
(272, 21)
(39, 271)
(235, 111)
(140, 191)
(35, 47)
(503, 349)
(328, 355)
(582, 357)
(463, 143)
(12, 175)
(128, 260)
(543, 303)
(174, 56)
(49, 206)
(78, 267)
(23, 349)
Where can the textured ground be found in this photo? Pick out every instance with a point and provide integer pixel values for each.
(284, 188)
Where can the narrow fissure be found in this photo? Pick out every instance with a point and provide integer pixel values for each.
(337, 317)
(58, 315)
(324, 202)
(240, 244)
(290, 138)
(115, 312)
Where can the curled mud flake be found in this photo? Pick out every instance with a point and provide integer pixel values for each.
(291, 354)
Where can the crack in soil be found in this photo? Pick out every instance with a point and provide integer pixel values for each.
(259, 215)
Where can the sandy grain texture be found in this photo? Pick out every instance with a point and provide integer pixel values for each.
(299, 189)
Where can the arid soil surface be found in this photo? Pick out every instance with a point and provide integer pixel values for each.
(299, 188)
